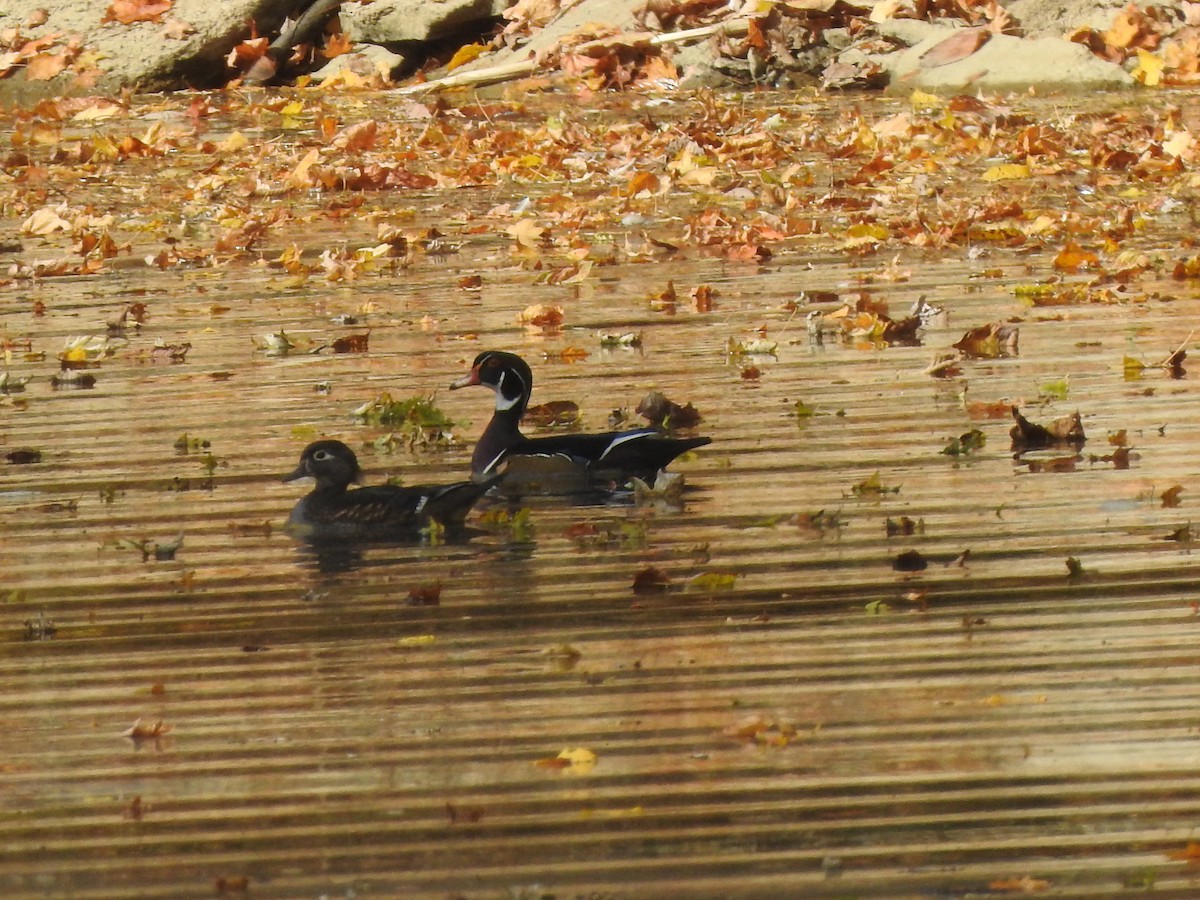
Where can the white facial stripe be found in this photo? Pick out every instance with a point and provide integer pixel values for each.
(504, 402)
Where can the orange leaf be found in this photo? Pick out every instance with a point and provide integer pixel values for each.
(129, 11)
(336, 45)
(45, 66)
(1189, 854)
(1072, 258)
(464, 55)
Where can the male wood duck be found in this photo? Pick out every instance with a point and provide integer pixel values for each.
(612, 457)
(382, 512)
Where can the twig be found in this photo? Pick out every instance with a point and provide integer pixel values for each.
(520, 68)
(1170, 356)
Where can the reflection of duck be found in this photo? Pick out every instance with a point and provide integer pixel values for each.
(383, 512)
(612, 456)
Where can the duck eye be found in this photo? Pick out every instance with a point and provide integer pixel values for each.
(322, 455)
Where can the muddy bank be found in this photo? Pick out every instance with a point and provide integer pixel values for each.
(78, 46)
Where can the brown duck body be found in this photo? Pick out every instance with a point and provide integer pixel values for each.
(381, 513)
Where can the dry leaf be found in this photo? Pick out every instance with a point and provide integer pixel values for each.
(957, 46)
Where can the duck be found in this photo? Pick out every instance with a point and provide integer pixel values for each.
(381, 512)
(600, 460)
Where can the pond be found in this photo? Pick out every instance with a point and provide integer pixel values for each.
(874, 656)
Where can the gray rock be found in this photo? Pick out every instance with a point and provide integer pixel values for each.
(397, 22)
(142, 54)
(1004, 63)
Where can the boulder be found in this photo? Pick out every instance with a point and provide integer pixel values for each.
(1003, 63)
(396, 23)
(186, 47)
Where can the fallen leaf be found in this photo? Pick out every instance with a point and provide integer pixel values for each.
(127, 12)
(957, 46)
(542, 315)
(651, 580)
(577, 761)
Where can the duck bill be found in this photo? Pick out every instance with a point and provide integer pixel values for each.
(467, 380)
(301, 472)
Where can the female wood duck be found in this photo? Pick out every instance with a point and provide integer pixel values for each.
(383, 512)
(611, 457)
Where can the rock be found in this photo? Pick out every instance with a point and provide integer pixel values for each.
(146, 55)
(1054, 18)
(366, 60)
(1004, 63)
(392, 23)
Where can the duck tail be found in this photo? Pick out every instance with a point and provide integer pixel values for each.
(451, 504)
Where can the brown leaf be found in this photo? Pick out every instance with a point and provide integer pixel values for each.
(661, 412)
(1065, 431)
(957, 46)
(651, 580)
(554, 413)
(1170, 497)
(425, 595)
(352, 343)
(910, 561)
(140, 732)
(542, 315)
(990, 341)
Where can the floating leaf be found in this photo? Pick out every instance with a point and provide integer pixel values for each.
(712, 582)
(910, 561)
(542, 315)
(554, 414)
(991, 341)
(1006, 172)
(664, 413)
(417, 640)
(651, 580)
(965, 443)
(577, 761)
(1065, 431)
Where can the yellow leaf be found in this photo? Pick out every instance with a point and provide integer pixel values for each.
(527, 233)
(922, 100)
(292, 109)
(417, 640)
(1006, 172)
(579, 761)
(464, 55)
(1133, 368)
(94, 113)
(869, 230)
(298, 177)
(1179, 144)
(1149, 68)
(235, 141)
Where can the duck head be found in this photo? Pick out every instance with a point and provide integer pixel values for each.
(331, 463)
(506, 374)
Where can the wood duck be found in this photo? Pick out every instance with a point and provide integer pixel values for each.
(611, 457)
(382, 512)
